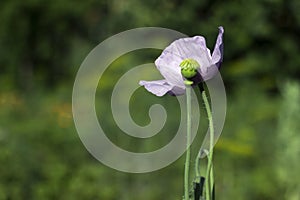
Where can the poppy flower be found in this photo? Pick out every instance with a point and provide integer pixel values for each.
(186, 59)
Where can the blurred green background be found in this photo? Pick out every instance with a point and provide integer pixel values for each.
(42, 44)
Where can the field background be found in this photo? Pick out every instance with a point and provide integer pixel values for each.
(42, 44)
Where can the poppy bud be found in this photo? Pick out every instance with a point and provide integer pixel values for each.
(189, 68)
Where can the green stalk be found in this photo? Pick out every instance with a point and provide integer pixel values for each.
(209, 174)
(197, 168)
(188, 141)
(211, 178)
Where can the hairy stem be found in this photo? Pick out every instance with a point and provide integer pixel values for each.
(209, 174)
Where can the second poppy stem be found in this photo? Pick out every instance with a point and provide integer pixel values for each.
(209, 171)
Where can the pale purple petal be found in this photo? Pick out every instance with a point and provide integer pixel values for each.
(177, 91)
(194, 47)
(217, 56)
(159, 87)
(210, 72)
(168, 66)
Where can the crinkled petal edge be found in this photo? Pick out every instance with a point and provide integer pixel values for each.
(162, 87)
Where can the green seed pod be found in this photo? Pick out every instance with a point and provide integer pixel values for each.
(189, 68)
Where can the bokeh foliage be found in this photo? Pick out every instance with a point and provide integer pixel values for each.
(42, 44)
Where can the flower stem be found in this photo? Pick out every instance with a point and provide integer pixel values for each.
(188, 141)
(209, 174)
(197, 168)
